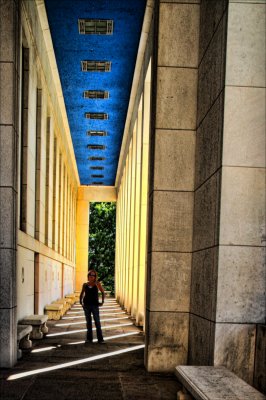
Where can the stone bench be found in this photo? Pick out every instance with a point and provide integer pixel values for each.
(23, 338)
(213, 383)
(72, 297)
(65, 303)
(38, 323)
(54, 311)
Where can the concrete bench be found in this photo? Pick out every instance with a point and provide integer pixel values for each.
(66, 305)
(53, 311)
(72, 297)
(38, 323)
(23, 338)
(214, 383)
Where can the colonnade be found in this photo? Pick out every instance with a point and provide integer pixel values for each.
(131, 224)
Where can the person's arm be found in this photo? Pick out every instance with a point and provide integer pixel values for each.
(82, 294)
(102, 292)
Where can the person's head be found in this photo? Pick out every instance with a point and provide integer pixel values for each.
(92, 275)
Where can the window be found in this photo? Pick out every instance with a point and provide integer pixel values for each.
(96, 26)
(96, 66)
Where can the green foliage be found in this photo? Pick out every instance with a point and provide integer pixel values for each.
(102, 242)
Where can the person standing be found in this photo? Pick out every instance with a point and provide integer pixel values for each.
(89, 300)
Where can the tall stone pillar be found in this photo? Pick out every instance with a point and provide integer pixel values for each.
(9, 84)
(171, 191)
(82, 242)
(228, 274)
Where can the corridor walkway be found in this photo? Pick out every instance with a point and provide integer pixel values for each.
(80, 370)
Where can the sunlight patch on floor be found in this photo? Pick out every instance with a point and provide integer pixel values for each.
(74, 363)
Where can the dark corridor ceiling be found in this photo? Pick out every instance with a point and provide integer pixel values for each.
(120, 49)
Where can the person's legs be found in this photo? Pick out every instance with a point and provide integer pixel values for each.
(96, 317)
(87, 311)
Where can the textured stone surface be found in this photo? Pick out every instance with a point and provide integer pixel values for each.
(178, 35)
(170, 282)
(174, 160)
(8, 278)
(176, 98)
(211, 14)
(212, 71)
(242, 206)
(7, 156)
(260, 357)
(206, 214)
(8, 337)
(244, 123)
(235, 348)
(241, 284)
(201, 341)
(172, 221)
(7, 91)
(215, 383)
(7, 217)
(209, 143)
(168, 345)
(7, 46)
(245, 62)
(204, 283)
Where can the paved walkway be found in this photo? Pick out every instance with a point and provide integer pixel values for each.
(67, 368)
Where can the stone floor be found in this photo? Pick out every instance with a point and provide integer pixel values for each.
(117, 377)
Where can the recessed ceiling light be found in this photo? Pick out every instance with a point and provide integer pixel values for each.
(96, 133)
(96, 147)
(97, 176)
(97, 168)
(96, 94)
(96, 26)
(93, 158)
(91, 115)
(96, 66)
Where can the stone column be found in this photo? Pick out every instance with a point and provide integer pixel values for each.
(241, 278)
(55, 194)
(136, 238)
(228, 275)
(49, 182)
(9, 113)
(82, 242)
(171, 188)
(140, 320)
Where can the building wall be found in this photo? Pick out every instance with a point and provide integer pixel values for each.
(39, 179)
(9, 132)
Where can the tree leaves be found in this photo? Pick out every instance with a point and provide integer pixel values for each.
(102, 227)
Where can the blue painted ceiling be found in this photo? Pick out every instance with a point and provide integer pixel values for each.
(120, 49)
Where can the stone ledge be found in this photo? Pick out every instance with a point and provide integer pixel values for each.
(215, 383)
